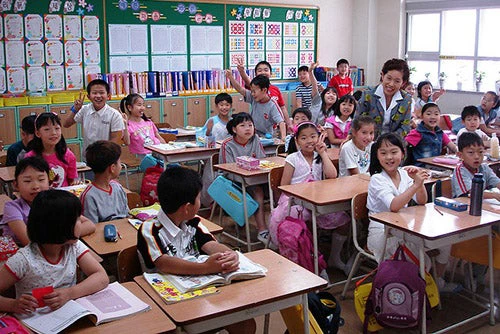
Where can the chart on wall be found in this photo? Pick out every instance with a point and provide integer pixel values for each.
(285, 37)
(48, 45)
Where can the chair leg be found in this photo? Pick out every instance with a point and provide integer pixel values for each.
(351, 274)
(266, 323)
(126, 176)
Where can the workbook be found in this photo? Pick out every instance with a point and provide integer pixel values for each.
(113, 303)
(247, 270)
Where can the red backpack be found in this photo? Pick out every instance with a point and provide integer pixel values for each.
(149, 195)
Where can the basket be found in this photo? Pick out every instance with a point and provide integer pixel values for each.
(15, 101)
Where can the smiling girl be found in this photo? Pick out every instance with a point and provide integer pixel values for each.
(338, 125)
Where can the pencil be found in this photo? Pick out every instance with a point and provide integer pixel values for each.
(435, 207)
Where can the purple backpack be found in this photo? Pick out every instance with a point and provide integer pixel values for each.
(295, 243)
(397, 295)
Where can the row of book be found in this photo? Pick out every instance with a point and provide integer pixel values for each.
(159, 84)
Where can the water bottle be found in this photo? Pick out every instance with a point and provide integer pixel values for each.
(494, 146)
(476, 195)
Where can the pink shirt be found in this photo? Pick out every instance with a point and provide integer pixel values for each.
(141, 133)
(60, 172)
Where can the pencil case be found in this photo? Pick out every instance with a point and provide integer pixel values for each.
(449, 203)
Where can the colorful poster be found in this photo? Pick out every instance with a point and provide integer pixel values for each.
(16, 80)
(290, 43)
(273, 28)
(53, 26)
(273, 43)
(256, 43)
(255, 28)
(74, 77)
(55, 78)
(273, 57)
(254, 58)
(14, 26)
(290, 72)
(237, 28)
(36, 79)
(34, 53)
(73, 52)
(290, 29)
(235, 57)
(14, 53)
(307, 29)
(33, 26)
(290, 58)
(307, 43)
(72, 27)
(306, 58)
(54, 52)
(91, 53)
(90, 28)
(237, 43)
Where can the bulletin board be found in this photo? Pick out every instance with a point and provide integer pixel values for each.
(48, 45)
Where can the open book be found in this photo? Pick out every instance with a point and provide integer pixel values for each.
(113, 303)
(247, 270)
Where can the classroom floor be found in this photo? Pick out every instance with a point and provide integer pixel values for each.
(454, 307)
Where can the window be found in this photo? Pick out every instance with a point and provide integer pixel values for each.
(458, 43)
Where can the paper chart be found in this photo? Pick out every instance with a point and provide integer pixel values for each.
(33, 26)
(169, 63)
(90, 27)
(16, 80)
(91, 53)
(290, 43)
(168, 39)
(3, 86)
(289, 72)
(273, 43)
(306, 58)
(54, 52)
(256, 43)
(14, 26)
(2, 57)
(255, 28)
(307, 43)
(273, 57)
(55, 78)
(73, 52)
(237, 28)
(290, 58)
(34, 53)
(74, 77)
(14, 53)
(72, 27)
(276, 72)
(36, 79)
(273, 28)
(206, 39)
(53, 26)
(290, 29)
(235, 57)
(254, 58)
(237, 43)
(307, 29)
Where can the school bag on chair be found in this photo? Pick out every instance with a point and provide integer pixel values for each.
(397, 295)
(296, 244)
(149, 194)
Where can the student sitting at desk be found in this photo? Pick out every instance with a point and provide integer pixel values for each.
(471, 119)
(265, 111)
(306, 165)
(16, 151)
(246, 143)
(355, 154)
(299, 115)
(51, 259)
(166, 241)
(391, 188)
(31, 177)
(104, 199)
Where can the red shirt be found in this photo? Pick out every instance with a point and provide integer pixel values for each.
(275, 92)
(343, 86)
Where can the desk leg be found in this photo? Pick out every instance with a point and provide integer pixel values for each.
(422, 274)
(315, 240)
(245, 213)
(492, 269)
(305, 313)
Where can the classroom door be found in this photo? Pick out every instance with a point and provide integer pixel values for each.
(7, 126)
(173, 112)
(196, 111)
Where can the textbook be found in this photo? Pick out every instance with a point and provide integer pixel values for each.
(113, 303)
(247, 270)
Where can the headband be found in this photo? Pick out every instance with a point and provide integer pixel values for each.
(296, 127)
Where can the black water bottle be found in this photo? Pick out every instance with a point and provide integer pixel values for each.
(476, 195)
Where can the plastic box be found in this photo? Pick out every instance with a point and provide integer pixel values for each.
(247, 163)
(15, 101)
(39, 99)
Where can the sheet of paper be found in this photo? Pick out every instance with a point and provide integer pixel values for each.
(90, 27)
(1, 27)
(74, 77)
(118, 64)
(118, 39)
(138, 39)
(169, 63)
(2, 56)
(72, 27)
(73, 52)
(206, 39)
(14, 53)
(55, 78)
(35, 53)
(3, 85)
(178, 37)
(160, 39)
(33, 26)
(53, 26)
(16, 79)
(91, 53)
(54, 52)
(36, 79)
(139, 64)
(14, 28)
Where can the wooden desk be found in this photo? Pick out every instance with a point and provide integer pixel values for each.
(95, 241)
(248, 178)
(428, 229)
(285, 285)
(326, 196)
(152, 321)
(3, 199)
(182, 154)
(270, 150)
(182, 134)
(430, 161)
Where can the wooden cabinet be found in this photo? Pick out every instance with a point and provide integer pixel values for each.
(239, 104)
(173, 112)
(7, 126)
(287, 104)
(75, 148)
(153, 110)
(64, 111)
(114, 104)
(292, 100)
(196, 111)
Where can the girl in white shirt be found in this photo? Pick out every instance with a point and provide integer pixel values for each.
(309, 164)
(355, 154)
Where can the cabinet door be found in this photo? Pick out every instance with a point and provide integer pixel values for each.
(196, 111)
(7, 126)
(75, 148)
(173, 112)
(64, 112)
(153, 110)
(287, 105)
(28, 111)
(293, 100)
(114, 104)
(239, 104)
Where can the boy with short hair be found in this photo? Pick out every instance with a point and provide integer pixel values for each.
(471, 119)
(216, 125)
(303, 92)
(471, 152)
(99, 120)
(166, 242)
(265, 111)
(342, 82)
(104, 199)
(16, 151)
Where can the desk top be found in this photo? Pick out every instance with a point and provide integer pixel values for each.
(284, 279)
(329, 191)
(152, 321)
(426, 222)
(183, 150)
(7, 173)
(96, 242)
(234, 169)
(3, 199)
(430, 161)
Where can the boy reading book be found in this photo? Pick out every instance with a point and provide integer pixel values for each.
(167, 242)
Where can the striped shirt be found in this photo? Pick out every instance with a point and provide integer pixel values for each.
(461, 180)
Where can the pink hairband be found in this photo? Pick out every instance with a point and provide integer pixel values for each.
(295, 128)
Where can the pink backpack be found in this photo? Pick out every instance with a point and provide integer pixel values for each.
(149, 195)
(296, 244)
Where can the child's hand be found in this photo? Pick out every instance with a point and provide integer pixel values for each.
(312, 67)
(57, 298)
(320, 146)
(419, 175)
(25, 304)
(125, 118)
(229, 74)
(239, 64)
(229, 261)
(79, 102)
(213, 263)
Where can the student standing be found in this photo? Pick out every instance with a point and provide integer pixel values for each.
(322, 105)
(99, 120)
(342, 82)
(216, 125)
(388, 105)
(303, 92)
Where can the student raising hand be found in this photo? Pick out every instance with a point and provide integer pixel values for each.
(320, 146)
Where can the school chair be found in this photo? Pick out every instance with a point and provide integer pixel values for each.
(163, 125)
(280, 149)
(134, 200)
(129, 161)
(274, 181)
(215, 160)
(168, 137)
(359, 213)
(441, 188)
(3, 160)
(128, 264)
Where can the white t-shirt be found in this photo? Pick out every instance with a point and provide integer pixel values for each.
(98, 125)
(352, 157)
(32, 270)
(479, 132)
(303, 172)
